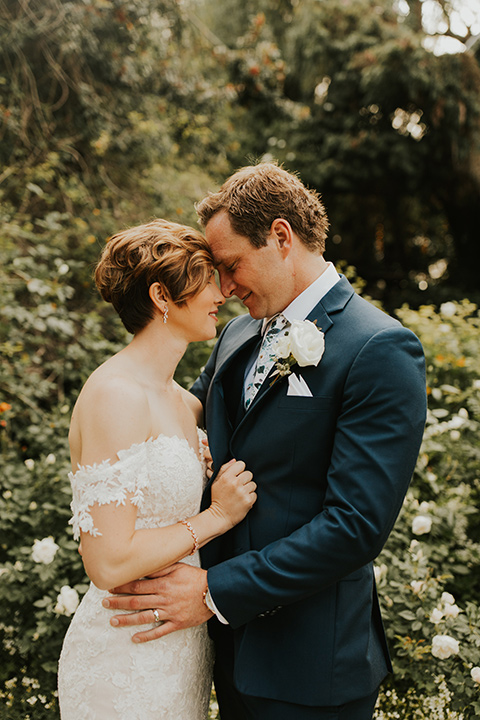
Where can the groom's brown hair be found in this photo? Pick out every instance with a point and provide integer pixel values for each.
(256, 195)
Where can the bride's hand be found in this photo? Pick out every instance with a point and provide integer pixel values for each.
(233, 493)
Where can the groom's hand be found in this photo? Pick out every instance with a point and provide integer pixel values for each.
(176, 593)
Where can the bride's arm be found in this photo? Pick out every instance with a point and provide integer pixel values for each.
(118, 418)
(121, 553)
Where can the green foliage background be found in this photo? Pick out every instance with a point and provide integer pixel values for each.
(115, 112)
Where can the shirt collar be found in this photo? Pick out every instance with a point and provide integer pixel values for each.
(304, 303)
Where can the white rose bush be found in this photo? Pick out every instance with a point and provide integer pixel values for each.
(430, 594)
(427, 576)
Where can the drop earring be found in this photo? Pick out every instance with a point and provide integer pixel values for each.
(165, 314)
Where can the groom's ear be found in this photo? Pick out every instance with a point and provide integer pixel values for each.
(281, 232)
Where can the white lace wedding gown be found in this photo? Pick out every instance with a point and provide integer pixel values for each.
(102, 674)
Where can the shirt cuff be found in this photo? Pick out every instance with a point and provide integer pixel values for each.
(213, 608)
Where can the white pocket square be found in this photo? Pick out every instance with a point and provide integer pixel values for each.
(297, 386)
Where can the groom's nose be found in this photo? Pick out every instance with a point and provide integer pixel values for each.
(227, 285)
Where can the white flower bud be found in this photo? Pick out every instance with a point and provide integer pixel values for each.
(451, 610)
(436, 616)
(448, 309)
(421, 524)
(67, 601)
(43, 551)
(417, 586)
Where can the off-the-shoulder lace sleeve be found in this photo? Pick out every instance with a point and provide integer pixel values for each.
(105, 483)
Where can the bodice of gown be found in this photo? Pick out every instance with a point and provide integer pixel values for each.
(163, 477)
(103, 675)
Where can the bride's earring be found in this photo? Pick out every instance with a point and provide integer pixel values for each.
(165, 314)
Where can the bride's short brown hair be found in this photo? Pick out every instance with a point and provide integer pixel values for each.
(176, 256)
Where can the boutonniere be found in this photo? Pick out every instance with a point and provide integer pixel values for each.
(303, 343)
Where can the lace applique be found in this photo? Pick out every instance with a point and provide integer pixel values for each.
(126, 479)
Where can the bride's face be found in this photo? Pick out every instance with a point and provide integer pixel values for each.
(197, 319)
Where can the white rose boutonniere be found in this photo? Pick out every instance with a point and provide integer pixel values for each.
(303, 343)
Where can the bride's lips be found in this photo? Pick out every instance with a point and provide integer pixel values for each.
(213, 314)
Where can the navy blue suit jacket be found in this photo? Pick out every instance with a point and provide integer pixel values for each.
(295, 578)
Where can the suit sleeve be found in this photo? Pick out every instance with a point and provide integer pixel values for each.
(376, 443)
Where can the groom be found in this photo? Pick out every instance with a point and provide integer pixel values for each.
(332, 442)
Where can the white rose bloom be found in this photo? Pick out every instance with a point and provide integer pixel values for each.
(447, 598)
(455, 435)
(43, 551)
(475, 673)
(443, 646)
(50, 459)
(436, 616)
(424, 507)
(451, 610)
(67, 601)
(463, 413)
(307, 342)
(30, 464)
(448, 309)
(421, 524)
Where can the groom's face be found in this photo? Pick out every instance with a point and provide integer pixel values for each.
(258, 276)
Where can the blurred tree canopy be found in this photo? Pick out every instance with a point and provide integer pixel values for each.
(134, 108)
(346, 93)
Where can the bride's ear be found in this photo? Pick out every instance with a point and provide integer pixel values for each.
(158, 296)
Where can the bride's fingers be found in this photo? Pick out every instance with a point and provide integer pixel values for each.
(155, 633)
(131, 602)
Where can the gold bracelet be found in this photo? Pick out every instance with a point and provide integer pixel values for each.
(196, 544)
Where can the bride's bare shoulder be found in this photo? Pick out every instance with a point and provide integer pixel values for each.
(111, 385)
(111, 413)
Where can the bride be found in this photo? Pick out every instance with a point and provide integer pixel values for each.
(137, 480)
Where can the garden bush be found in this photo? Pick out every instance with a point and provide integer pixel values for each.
(54, 331)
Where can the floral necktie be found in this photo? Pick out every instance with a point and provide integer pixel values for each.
(266, 357)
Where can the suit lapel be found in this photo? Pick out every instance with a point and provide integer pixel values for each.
(333, 302)
(225, 393)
